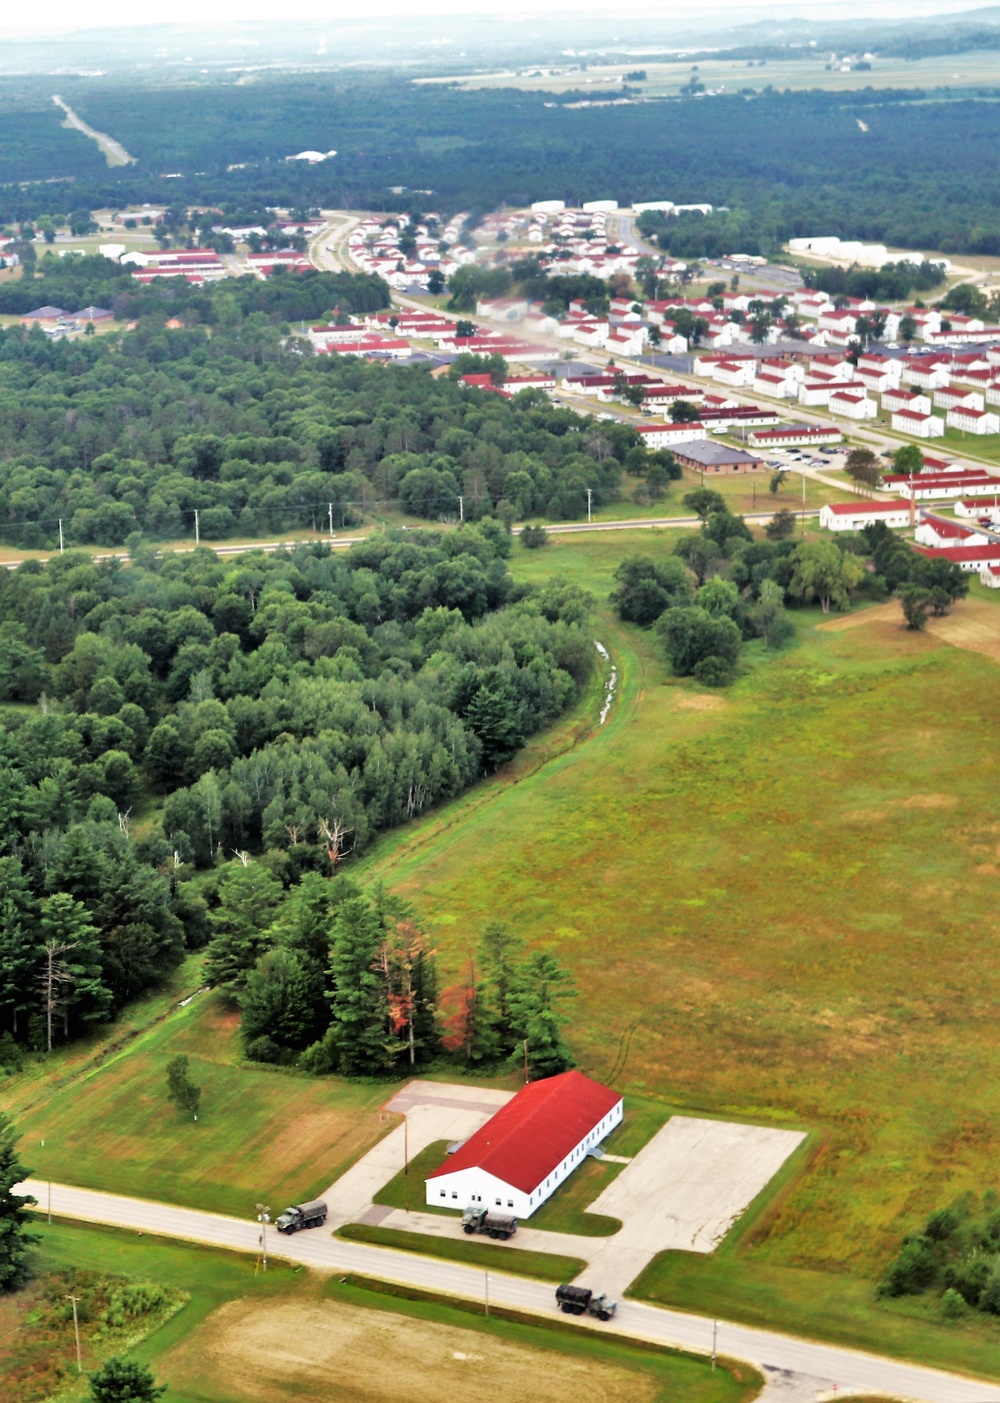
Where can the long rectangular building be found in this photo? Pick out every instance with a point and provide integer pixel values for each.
(524, 1152)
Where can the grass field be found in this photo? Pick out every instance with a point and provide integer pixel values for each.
(290, 1335)
(973, 69)
(260, 1133)
(783, 895)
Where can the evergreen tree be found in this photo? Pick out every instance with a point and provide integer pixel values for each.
(248, 898)
(281, 1007)
(71, 966)
(124, 1381)
(538, 994)
(15, 1238)
(499, 951)
(185, 1095)
(359, 995)
(18, 943)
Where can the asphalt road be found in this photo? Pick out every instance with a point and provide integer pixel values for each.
(844, 1368)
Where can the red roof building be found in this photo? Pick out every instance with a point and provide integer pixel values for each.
(529, 1147)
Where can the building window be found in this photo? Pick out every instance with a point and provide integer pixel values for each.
(443, 1194)
(454, 1195)
(510, 1203)
(497, 1202)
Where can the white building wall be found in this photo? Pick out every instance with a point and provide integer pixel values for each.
(468, 1186)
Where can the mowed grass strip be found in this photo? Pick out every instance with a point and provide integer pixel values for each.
(473, 1251)
(781, 895)
(260, 1135)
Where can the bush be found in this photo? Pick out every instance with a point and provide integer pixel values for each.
(953, 1305)
(533, 537)
(912, 1270)
(714, 671)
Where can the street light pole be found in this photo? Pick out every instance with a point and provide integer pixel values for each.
(76, 1331)
(262, 1217)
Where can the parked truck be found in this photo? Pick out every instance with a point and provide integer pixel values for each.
(580, 1300)
(302, 1215)
(476, 1219)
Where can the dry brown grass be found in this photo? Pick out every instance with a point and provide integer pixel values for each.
(266, 1353)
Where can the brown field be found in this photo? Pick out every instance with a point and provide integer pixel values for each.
(974, 624)
(266, 1353)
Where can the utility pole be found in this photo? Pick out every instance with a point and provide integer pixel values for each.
(330, 514)
(197, 533)
(715, 1336)
(60, 536)
(76, 1329)
(487, 1290)
(406, 1145)
(590, 494)
(461, 508)
(50, 1202)
(263, 1220)
(526, 1061)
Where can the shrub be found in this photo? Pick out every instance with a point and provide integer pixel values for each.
(912, 1270)
(533, 537)
(714, 672)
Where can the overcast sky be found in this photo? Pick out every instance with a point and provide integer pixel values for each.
(68, 15)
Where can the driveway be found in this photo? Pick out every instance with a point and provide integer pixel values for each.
(433, 1111)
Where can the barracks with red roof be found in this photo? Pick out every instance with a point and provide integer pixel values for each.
(533, 1143)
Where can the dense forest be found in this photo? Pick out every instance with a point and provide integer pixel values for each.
(125, 437)
(918, 174)
(176, 713)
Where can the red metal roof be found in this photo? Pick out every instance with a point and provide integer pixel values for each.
(531, 1136)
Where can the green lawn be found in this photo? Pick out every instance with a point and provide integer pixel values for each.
(780, 898)
(474, 1251)
(261, 1133)
(219, 1283)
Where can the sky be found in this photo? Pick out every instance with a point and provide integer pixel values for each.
(68, 15)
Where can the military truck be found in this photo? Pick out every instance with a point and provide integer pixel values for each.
(580, 1300)
(476, 1219)
(302, 1215)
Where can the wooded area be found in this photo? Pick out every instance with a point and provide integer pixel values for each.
(291, 705)
(917, 174)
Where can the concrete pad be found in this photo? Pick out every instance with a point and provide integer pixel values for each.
(434, 1111)
(684, 1190)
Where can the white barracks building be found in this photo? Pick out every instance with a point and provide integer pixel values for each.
(523, 1153)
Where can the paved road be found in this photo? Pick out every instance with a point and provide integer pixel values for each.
(113, 151)
(847, 1369)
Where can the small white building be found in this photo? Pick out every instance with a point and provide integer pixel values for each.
(957, 397)
(893, 400)
(938, 531)
(973, 421)
(852, 516)
(666, 435)
(775, 386)
(852, 406)
(528, 1148)
(909, 421)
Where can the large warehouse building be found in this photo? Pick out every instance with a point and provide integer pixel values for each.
(523, 1153)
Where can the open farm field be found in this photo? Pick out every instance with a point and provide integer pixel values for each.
(242, 1338)
(665, 79)
(260, 1134)
(777, 903)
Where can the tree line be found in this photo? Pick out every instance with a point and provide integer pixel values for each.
(333, 978)
(290, 705)
(124, 438)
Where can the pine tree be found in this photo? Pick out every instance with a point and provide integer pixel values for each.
(539, 990)
(19, 935)
(281, 1006)
(71, 968)
(499, 950)
(359, 995)
(248, 898)
(15, 1239)
(124, 1381)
